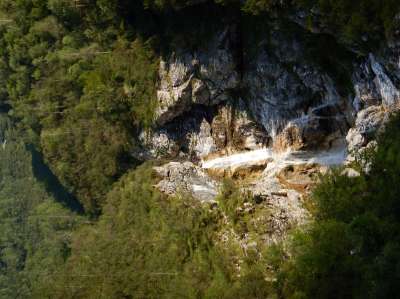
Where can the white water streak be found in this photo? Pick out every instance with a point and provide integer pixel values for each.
(332, 157)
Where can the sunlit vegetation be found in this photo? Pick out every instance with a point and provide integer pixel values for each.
(75, 80)
(78, 81)
(148, 246)
(82, 76)
(351, 250)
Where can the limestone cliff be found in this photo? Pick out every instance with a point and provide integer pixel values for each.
(270, 111)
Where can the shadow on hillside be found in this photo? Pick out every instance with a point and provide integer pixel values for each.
(43, 173)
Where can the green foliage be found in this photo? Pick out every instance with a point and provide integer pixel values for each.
(144, 247)
(81, 81)
(260, 6)
(83, 88)
(128, 79)
(230, 199)
(148, 246)
(87, 156)
(351, 250)
(353, 19)
(88, 148)
(350, 20)
(34, 229)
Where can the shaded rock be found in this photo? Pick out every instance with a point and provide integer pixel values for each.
(287, 90)
(201, 143)
(233, 127)
(366, 93)
(222, 127)
(389, 94)
(247, 134)
(204, 77)
(290, 138)
(188, 135)
(205, 131)
(368, 122)
(322, 128)
(200, 92)
(377, 96)
(373, 85)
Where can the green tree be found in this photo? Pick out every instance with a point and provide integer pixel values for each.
(34, 229)
(351, 250)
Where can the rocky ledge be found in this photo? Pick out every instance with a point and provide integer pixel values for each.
(271, 120)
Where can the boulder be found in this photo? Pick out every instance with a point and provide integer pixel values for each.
(186, 178)
(368, 122)
(350, 172)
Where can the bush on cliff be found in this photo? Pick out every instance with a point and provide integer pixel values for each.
(351, 250)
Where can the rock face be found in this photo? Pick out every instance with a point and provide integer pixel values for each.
(189, 135)
(368, 123)
(288, 92)
(373, 86)
(204, 77)
(202, 143)
(389, 94)
(377, 96)
(279, 208)
(234, 129)
(271, 119)
(290, 100)
(186, 178)
(204, 131)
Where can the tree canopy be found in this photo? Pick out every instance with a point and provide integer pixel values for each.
(351, 250)
(79, 81)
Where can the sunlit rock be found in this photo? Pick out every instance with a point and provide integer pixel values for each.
(186, 178)
(203, 77)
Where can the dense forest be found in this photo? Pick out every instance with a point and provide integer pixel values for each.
(79, 215)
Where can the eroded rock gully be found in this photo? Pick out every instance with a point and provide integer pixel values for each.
(271, 122)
